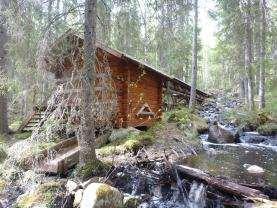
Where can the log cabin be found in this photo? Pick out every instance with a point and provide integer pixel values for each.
(140, 89)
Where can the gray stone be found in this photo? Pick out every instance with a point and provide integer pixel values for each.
(100, 195)
(71, 186)
(219, 134)
(254, 169)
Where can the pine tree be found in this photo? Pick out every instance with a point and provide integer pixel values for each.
(87, 136)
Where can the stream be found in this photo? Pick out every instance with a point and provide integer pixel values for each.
(155, 184)
(231, 160)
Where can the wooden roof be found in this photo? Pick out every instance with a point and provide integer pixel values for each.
(124, 56)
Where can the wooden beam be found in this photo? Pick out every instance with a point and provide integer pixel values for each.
(224, 185)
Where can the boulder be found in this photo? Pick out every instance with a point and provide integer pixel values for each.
(100, 195)
(219, 134)
(71, 186)
(254, 169)
(122, 133)
(130, 201)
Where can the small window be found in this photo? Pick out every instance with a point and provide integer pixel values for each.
(145, 111)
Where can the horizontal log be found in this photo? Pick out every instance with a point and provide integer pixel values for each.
(224, 185)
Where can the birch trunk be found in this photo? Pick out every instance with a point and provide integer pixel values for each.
(194, 58)
(262, 55)
(3, 68)
(87, 136)
(248, 56)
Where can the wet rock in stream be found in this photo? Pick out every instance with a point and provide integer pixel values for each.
(219, 134)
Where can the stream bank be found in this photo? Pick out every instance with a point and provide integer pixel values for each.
(145, 173)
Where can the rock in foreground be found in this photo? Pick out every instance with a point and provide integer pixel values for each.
(100, 195)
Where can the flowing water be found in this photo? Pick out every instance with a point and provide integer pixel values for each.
(231, 161)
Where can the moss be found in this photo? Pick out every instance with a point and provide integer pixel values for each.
(45, 194)
(268, 129)
(24, 135)
(93, 168)
(132, 143)
(104, 192)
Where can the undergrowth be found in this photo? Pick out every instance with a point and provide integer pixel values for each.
(131, 143)
(187, 120)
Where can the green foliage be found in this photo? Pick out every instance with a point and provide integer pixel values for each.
(186, 119)
(268, 129)
(247, 120)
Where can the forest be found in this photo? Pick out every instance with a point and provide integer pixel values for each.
(138, 103)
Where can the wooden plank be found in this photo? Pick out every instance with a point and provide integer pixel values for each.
(224, 185)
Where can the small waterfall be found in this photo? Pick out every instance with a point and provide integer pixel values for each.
(197, 195)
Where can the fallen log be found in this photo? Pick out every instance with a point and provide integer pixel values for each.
(223, 185)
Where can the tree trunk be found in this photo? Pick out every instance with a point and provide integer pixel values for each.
(194, 58)
(248, 56)
(3, 69)
(87, 136)
(262, 55)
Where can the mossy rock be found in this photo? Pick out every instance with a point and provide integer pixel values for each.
(93, 168)
(44, 195)
(268, 129)
(100, 195)
(132, 143)
(131, 201)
